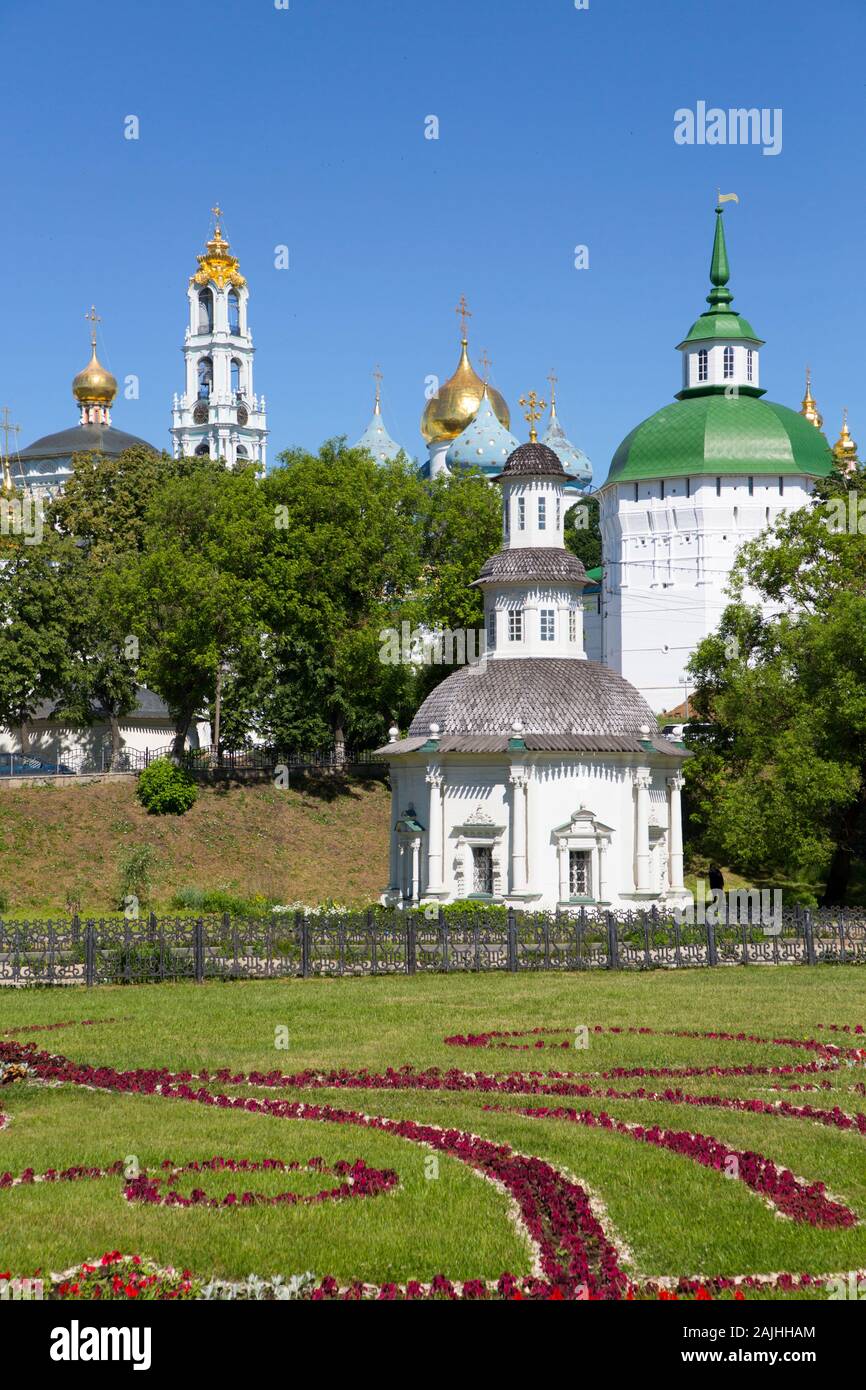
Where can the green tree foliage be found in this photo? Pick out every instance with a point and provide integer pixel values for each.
(778, 783)
(582, 533)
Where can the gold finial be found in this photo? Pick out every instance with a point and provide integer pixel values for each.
(809, 409)
(463, 312)
(217, 215)
(8, 428)
(377, 377)
(553, 379)
(534, 412)
(485, 364)
(94, 319)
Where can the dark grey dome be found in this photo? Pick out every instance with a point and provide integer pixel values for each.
(82, 439)
(549, 695)
(532, 460)
(555, 564)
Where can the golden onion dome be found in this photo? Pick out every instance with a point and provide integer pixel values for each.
(845, 449)
(455, 405)
(809, 407)
(94, 386)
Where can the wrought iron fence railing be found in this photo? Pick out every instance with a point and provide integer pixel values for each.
(202, 760)
(382, 941)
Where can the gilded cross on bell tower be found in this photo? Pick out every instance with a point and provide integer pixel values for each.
(535, 410)
(463, 312)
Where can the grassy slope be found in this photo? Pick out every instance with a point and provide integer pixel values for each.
(678, 1218)
(324, 840)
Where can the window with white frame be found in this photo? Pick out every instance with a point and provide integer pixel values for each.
(572, 624)
(491, 629)
(579, 873)
(728, 363)
(482, 869)
(703, 364)
(542, 513)
(515, 625)
(548, 624)
(521, 513)
(749, 357)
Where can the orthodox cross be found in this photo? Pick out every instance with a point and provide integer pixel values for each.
(553, 379)
(534, 412)
(485, 364)
(463, 312)
(8, 428)
(377, 377)
(94, 319)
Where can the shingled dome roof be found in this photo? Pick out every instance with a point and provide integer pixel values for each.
(556, 565)
(532, 460)
(550, 697)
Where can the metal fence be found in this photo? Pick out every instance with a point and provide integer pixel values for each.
(226, 761)
(388, 942)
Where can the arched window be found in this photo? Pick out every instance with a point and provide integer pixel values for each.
(728, 369)
(205, 377)
(703, 364)
(234, 312)
(236, 376)
(242, 452)
(202, 450)
(205, 311)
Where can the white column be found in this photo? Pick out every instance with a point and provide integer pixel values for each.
(395, 816)
(518, 830)
(434, 831)
(601, 895)
(416, 868)
(675, 829)
(642, 855)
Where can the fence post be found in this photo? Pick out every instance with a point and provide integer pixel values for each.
(151, 928)
(127, 950)
(512, 941)
(301, 929)
(745, 937)
(76, 928)
(712, 953)
(647, 954)
(811, 958)
(411, 945)
(612, 942)
(443, 937)
(198, 951)
(89, 955)
(371, 933)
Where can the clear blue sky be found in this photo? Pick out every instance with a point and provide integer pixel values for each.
(307, 125)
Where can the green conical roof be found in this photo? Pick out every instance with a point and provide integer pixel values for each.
(720, 321)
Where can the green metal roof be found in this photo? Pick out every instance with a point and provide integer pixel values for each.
(718, 434)
(721, 325)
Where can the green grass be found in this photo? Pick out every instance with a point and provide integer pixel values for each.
(677, 1218)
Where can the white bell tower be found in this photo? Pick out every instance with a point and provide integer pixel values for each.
(219, 413)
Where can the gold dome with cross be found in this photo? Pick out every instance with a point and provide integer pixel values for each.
(456, 403)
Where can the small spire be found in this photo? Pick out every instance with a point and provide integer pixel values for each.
(720, 270)
(377, 376)
(553, 379)
(809, 409)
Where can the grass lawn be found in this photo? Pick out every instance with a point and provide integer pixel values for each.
(667, 1215)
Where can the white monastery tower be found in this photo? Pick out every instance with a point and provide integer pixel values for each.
(219, 413)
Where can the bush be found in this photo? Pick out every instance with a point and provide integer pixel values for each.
(165, 789)
(217, 900)
(135, 869)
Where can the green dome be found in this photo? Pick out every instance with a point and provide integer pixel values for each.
(714, 324)
(719, 434)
